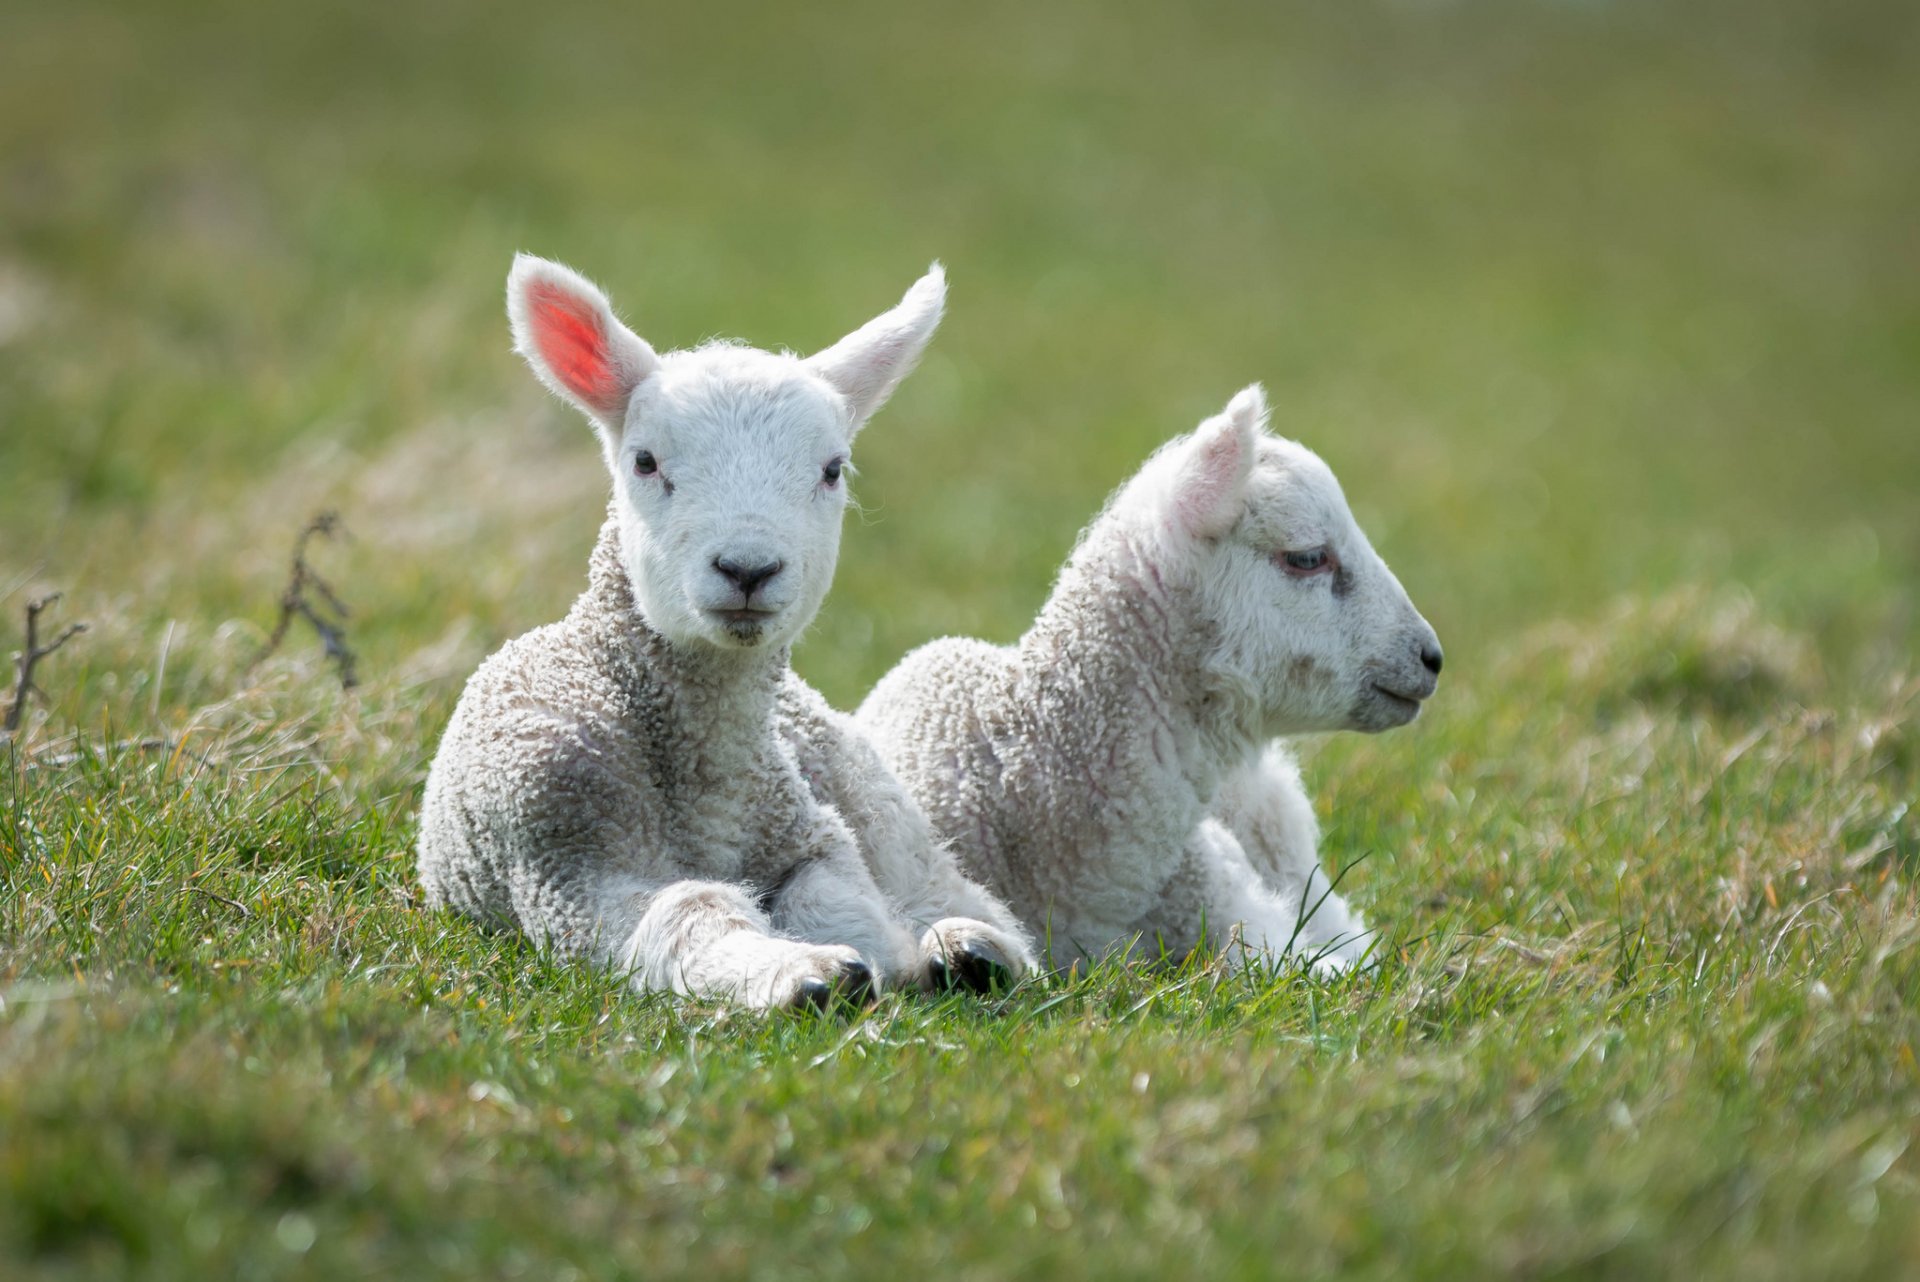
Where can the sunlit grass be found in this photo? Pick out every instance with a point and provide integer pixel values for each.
(1605, 313)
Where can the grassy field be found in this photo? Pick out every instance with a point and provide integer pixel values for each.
(1608, 314)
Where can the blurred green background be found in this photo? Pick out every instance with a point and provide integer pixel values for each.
(1607, 314)
(1579, 299)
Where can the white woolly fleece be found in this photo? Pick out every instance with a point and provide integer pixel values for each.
(1114, 775)
(646, 783)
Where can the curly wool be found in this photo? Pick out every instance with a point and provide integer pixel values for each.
(1073, 773)
(1115, 775)
(590, 755)
(591, 765)
(628, 784)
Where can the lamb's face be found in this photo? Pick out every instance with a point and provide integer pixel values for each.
(1332, 633)
(1311, 620)
(728, 462)
(730, 479)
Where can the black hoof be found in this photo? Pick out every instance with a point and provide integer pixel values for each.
(975, 967)
(856, 984)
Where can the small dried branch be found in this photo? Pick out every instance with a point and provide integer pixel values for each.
(309, 596)
(234, 904)
(31, 654)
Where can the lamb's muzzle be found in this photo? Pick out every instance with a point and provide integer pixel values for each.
(747, 575)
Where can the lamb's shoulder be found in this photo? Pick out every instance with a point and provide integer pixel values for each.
(835, 752)
(550, 743)
(845, 771)
(530, 779)
(1037, 766)
(818, 735)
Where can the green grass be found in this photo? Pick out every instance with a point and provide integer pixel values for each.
(1608, 314)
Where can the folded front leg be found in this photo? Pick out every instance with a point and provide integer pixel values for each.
(709, 939)
(967, 937)
(1266, 808)
(830, 897)
(1216, 898)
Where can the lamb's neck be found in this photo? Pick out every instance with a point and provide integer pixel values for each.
(721, 700)
(1120, 651)
(718, 694)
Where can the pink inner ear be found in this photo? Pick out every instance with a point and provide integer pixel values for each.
(1209, 482)
(573, 346)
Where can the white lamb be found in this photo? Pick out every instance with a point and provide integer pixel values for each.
(646, 783)
(1114, 775)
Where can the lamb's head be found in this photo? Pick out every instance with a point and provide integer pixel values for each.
(728, 462)
(1312, 626)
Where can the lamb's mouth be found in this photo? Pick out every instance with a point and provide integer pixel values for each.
(744, 623)
(1404, 706)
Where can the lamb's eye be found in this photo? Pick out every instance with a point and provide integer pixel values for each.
(645, 464)
(831, 472)
(1307, 561)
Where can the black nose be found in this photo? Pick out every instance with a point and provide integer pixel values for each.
(1431, 656)
(747, 577)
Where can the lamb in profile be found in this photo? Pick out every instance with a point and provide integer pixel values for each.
(1115, 776)
(646, 783)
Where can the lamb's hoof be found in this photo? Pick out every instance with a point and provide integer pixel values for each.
(976, 966)
(852, 985)
(856, 984)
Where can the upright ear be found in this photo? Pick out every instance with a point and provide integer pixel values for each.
(1210, 479)
(565, 329)
(869, 363)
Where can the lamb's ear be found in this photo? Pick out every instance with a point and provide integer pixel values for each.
(568, 333)
(1210, 481)
(869, 363)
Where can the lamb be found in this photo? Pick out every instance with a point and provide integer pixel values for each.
(1116, 774)
(646, 784)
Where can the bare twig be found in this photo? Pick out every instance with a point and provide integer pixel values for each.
(30, 654)
(237, 906)
(311, 597)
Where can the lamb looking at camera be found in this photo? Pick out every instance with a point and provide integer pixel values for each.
(1114, 776)
(646, 783)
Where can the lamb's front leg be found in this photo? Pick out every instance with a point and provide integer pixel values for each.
(968, 938)
(1265, 806)
(829, 897)
(1216, 894)
(709, 939)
